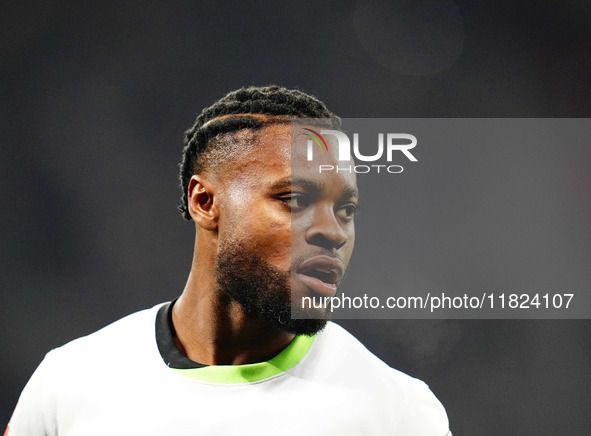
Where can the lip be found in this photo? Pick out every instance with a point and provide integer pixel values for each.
(332, 268)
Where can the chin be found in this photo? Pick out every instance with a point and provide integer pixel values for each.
(308, 326)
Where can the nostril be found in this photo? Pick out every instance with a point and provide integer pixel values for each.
(322, 240)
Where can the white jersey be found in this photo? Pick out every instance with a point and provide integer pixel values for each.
(116, 382)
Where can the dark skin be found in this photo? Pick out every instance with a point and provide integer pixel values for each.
(253, 199)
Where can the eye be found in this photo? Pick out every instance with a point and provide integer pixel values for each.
(296, 201)
(348, 211)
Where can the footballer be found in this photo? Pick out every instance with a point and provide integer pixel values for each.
(228, 356)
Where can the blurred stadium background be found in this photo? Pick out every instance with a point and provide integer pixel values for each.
(95, 98)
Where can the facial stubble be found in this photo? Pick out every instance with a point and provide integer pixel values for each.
(262, 290)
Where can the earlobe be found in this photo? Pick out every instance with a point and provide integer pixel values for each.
(202, 203)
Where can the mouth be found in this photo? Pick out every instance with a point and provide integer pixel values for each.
(321, 274)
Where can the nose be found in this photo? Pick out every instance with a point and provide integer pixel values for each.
(325, 230)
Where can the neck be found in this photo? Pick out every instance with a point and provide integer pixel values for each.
(215, 331)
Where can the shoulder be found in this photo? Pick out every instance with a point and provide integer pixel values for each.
(104, 358)
(83, 370)
(111, 356)
(121, 339)
(411, 406)
(339, 346)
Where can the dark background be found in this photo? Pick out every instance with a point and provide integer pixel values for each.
(94, 101)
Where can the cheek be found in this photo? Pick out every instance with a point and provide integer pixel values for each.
(349, 251)
(278, 243)
(270, 237)
(261, 225)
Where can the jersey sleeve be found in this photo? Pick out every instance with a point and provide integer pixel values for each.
(424, 415)
(35, 409)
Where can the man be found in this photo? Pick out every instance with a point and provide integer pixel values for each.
(228, 357)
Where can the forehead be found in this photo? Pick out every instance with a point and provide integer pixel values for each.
(280, 154)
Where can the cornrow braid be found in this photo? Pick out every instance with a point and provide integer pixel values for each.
(237, 111)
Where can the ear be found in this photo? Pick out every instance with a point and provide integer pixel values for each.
(202, 203)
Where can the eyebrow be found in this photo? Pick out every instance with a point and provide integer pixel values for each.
(312, 186)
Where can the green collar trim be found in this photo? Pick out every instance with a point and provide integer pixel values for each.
(233, 374)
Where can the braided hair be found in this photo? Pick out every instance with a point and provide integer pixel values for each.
(234, 120)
